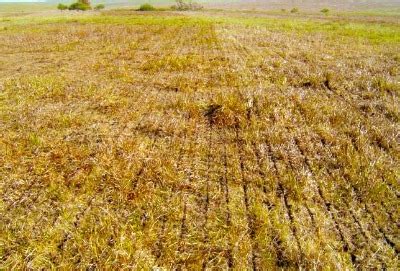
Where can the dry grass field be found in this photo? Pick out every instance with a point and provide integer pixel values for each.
(212, 140)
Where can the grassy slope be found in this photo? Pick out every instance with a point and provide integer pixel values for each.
(141, 140)
(24, 7)
(373, 31)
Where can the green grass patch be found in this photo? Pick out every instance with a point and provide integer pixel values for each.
(372, 32)
(395, 12)
(154, 19)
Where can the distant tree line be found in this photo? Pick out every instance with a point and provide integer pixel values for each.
(297, 10)
(181, 5)
(82, 5)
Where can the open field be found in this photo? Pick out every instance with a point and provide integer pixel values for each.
(212, 140)
(354, 5)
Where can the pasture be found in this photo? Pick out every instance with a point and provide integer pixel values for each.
(201, 140)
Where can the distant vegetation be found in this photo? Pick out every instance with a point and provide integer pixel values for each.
(186, 5)
(99, 7)
(146, 7)
(81, 5)
(294, 10)
(180, 5)
(325, 10)
(62, 7)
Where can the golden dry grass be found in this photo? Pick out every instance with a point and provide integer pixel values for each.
(132, 141)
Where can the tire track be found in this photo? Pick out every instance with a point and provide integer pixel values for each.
(353, 215)
(228, 220)
(281, 260)
(161, 235)
(324, 144)
(383, 145)
(206, 200)
(369, 212)
(283, 195)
